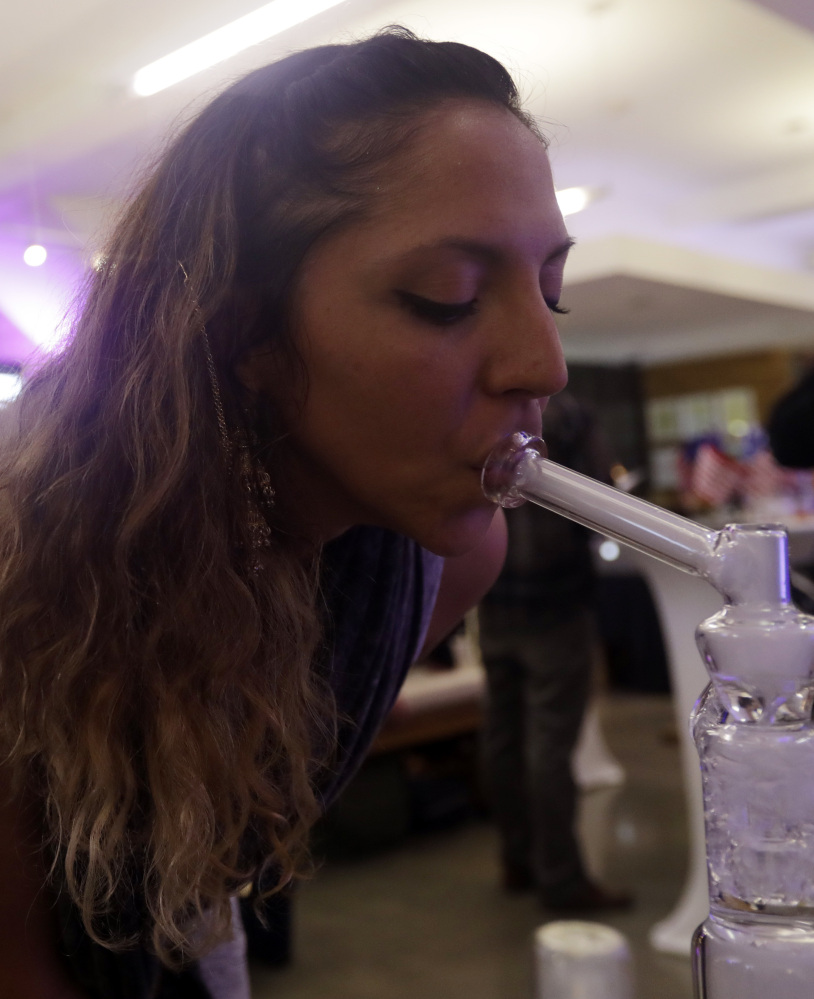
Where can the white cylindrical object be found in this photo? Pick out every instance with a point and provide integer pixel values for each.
(581, 960)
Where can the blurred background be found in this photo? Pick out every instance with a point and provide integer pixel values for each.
(682, 142)
(682, 139)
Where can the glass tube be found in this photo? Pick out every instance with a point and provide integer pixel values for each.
(745, 563)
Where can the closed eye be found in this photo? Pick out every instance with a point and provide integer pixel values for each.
(557, 308)
(437, 313)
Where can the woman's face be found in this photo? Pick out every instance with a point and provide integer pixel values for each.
(427, 334)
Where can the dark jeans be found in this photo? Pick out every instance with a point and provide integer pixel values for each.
(538, 681)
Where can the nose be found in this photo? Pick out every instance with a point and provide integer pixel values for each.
(526, 356)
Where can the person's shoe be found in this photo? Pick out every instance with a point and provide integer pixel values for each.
(586, 897)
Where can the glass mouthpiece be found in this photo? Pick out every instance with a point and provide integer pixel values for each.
(503, 468)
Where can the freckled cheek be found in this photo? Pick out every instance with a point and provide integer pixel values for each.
(366, 403)
(412, 401)
(395, 380)
(405, 425)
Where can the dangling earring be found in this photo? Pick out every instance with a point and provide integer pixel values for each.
(254, 478)
(256, 482)
(225, 440)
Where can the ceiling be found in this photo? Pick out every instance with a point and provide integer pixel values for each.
(692, 120)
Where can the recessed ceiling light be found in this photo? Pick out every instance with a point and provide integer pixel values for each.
(227, 41)
(35, 255)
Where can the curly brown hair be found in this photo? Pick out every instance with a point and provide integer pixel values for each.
(158, 689)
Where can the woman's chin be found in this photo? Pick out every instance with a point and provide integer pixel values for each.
(457, 535)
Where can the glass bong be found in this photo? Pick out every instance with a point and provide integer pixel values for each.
(752, 724)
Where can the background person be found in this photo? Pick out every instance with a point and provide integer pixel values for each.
(540, 646)
(791, 425)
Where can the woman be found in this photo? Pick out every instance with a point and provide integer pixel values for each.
(229, 499)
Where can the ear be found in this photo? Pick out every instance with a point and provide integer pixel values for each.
(260, 370)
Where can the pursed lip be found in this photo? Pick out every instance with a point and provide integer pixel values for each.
(479, 467)
(528, 419)
(524, 428)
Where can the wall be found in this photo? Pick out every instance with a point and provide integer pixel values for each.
(768, 372)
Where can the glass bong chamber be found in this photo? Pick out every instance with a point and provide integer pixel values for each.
(752, 724)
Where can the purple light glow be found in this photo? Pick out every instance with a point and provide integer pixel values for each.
(35, 300)
(15, 347)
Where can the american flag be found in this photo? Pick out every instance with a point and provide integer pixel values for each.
(715, 478)
(764, 477)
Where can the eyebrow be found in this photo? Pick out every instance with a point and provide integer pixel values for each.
(489, 252)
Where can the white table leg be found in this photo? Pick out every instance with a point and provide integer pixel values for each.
(683, 602)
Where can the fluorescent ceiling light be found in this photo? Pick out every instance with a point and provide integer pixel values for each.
(225, 42)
